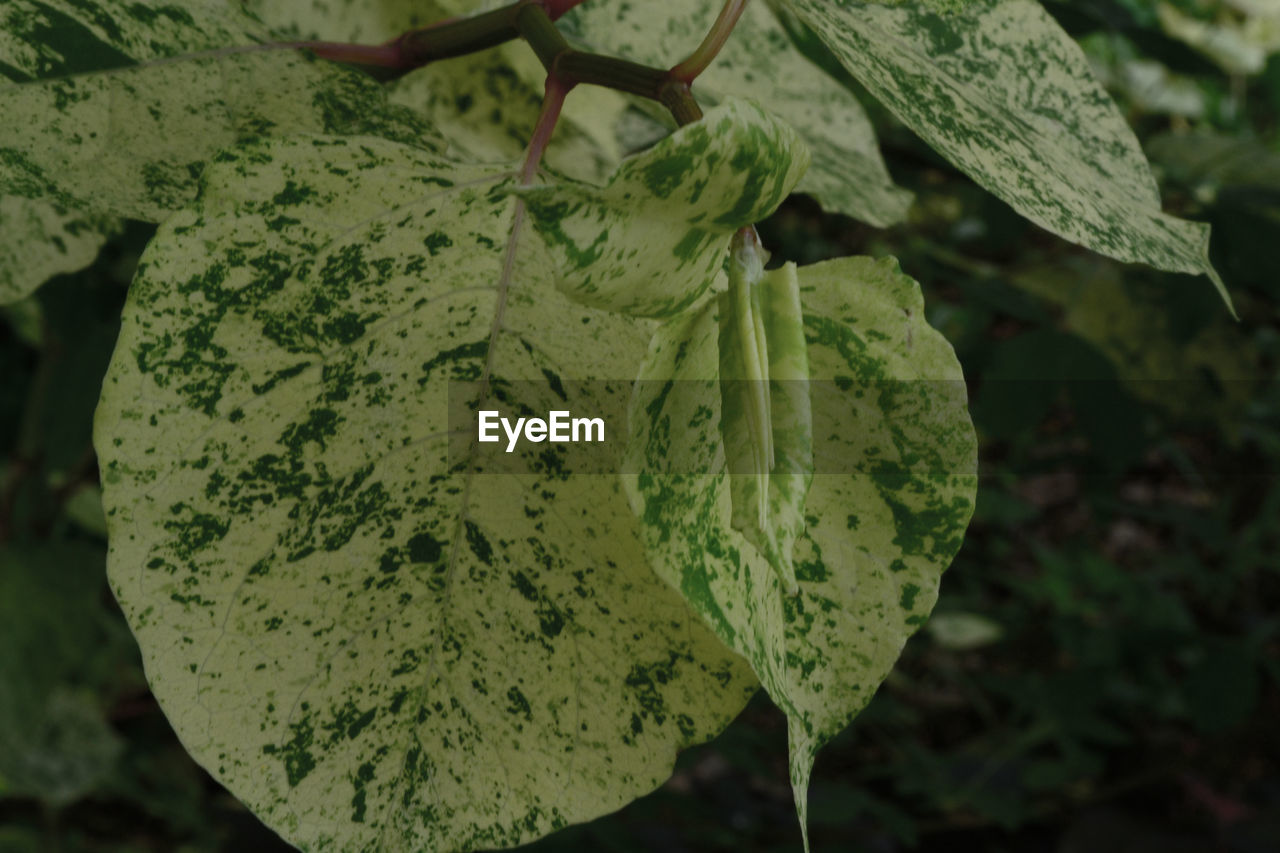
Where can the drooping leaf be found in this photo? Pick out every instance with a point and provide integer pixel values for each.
(998, 88)
(847, 174)
(664, 219)
(41, 240)
(892, 492)
(367, 641)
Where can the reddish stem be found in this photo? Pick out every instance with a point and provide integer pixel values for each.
(552, 103)
(556, 8)
(440, 40)
(715, 39)
(386, 55)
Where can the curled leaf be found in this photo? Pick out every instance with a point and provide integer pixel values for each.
(765, 423)
(652, 240)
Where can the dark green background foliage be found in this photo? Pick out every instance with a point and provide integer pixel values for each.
(1101, 672)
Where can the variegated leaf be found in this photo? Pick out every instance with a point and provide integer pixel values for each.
(371, 644)
(114, 107)
(354, 21)
(486, 112)
(591, 114)
(651, 241)
(998, 88)
(893, 489)
(41, 240)
(484, 105)
(847, 174)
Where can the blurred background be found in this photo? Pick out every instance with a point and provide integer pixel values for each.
(1102, 670)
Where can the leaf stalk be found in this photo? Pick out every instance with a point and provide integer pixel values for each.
(714, 40)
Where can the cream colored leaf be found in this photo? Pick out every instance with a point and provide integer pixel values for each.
(370, 643)
(894, 459)
(115, 107)
(998, 88)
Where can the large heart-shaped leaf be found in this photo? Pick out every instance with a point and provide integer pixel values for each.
(893, 488)
(369, 642)
(999, 88)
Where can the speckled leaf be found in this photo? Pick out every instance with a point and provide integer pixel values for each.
(357, 21)
(484, 104)
(652, 240)
(486, 112)
(113, 107)
(1003, 92)
(594, 111)
(39, 239)
(847, 174)
(371, 645)
(893, 489)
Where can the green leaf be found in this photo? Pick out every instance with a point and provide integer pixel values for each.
(893, 489)
(368, 642)
(84, 507)
(962, 632)
(57, 653)
(25, 319)
(847, 174)
(1145, 84)
(1239, 43)
(106, 115)
(41, 240)
(1134, 323)
(998, 88)
(651, 241)
(1206, 162)
(356, 21)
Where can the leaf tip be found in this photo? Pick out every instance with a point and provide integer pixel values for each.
(1221, 287)
(801, 751)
